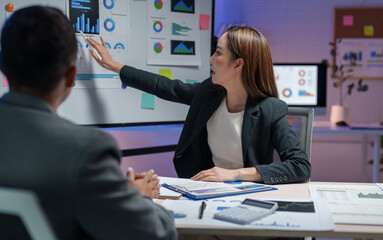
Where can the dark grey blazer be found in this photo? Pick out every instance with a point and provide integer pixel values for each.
(264, 129)
(75, 172)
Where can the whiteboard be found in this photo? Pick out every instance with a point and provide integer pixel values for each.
(123, 106)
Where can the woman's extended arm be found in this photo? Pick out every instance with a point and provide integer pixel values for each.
(107, 60)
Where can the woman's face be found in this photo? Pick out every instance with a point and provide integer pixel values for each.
(221, 63)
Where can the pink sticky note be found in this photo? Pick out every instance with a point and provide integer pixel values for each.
(204, 21)
(348, 20)
(5, 81)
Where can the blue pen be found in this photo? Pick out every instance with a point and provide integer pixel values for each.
(179, 215)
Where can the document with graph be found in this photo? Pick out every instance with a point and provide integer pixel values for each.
(291, 214)
(204, 190)
(352, 204)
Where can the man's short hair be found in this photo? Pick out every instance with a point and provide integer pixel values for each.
(38, 47)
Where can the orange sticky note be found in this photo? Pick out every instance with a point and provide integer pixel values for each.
(204, 21)
(348, 20)
(5, 81)
(368, 30)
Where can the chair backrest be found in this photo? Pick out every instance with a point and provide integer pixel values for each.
(25, 205)
(301, 121)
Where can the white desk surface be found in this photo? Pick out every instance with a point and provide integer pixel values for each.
(296, 191)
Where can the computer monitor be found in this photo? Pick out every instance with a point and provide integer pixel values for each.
(302, 85)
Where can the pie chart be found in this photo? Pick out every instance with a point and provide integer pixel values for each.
(158, 47)
(158, 4)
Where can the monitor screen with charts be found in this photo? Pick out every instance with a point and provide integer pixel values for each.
(302, 85)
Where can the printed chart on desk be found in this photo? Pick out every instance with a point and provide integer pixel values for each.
(173, 33)
(292, 214)
(352, 204)
(106, 18)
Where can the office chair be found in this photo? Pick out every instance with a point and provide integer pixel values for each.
(301, 121)
(18, 204)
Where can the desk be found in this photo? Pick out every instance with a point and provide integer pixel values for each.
(326, 128)
(296, 191)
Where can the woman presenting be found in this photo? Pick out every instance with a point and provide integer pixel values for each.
(235, 119)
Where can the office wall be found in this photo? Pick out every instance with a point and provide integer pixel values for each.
(299, 31)
(103, 105)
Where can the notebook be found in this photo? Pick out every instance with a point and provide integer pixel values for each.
(203, 190)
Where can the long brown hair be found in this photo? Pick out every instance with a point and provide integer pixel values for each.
(258, 75)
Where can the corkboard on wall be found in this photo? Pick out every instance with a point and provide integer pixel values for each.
(369, 16)
(351, 23)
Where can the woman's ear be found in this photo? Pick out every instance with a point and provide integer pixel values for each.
(239, 64)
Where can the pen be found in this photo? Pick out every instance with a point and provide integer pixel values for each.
(201, 209)
(179, 215)
(83, 35)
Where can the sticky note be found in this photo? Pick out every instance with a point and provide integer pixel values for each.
(348, 20)
(191, 81)
(147, 101)
(5, 81)
(166, 73)
(368, 30)
(204, 21)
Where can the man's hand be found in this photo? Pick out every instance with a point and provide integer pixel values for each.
(146, 183)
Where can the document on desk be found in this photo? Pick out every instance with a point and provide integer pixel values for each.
(302, 215)
(352, 204)
(203, 190)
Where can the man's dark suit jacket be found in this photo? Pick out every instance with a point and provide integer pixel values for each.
(264, 129)
(75, 172)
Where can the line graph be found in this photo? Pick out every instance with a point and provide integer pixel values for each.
(295, 206)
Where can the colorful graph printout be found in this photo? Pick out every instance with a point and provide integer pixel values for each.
(158, 4)
(295, 206)
(109, 19)
(84, 16)
(179, 30)
(157, 47)
(183, 6)
(157, 26)
(182, 47)
(173, 33)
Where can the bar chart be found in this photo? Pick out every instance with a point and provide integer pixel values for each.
(84, 16)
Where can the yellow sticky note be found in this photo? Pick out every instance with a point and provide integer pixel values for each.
(166, 73)
(368, 30)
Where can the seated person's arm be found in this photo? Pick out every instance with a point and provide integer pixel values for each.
(108, 207)
(217, 174)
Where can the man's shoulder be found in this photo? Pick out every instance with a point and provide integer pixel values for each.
(81, 134)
